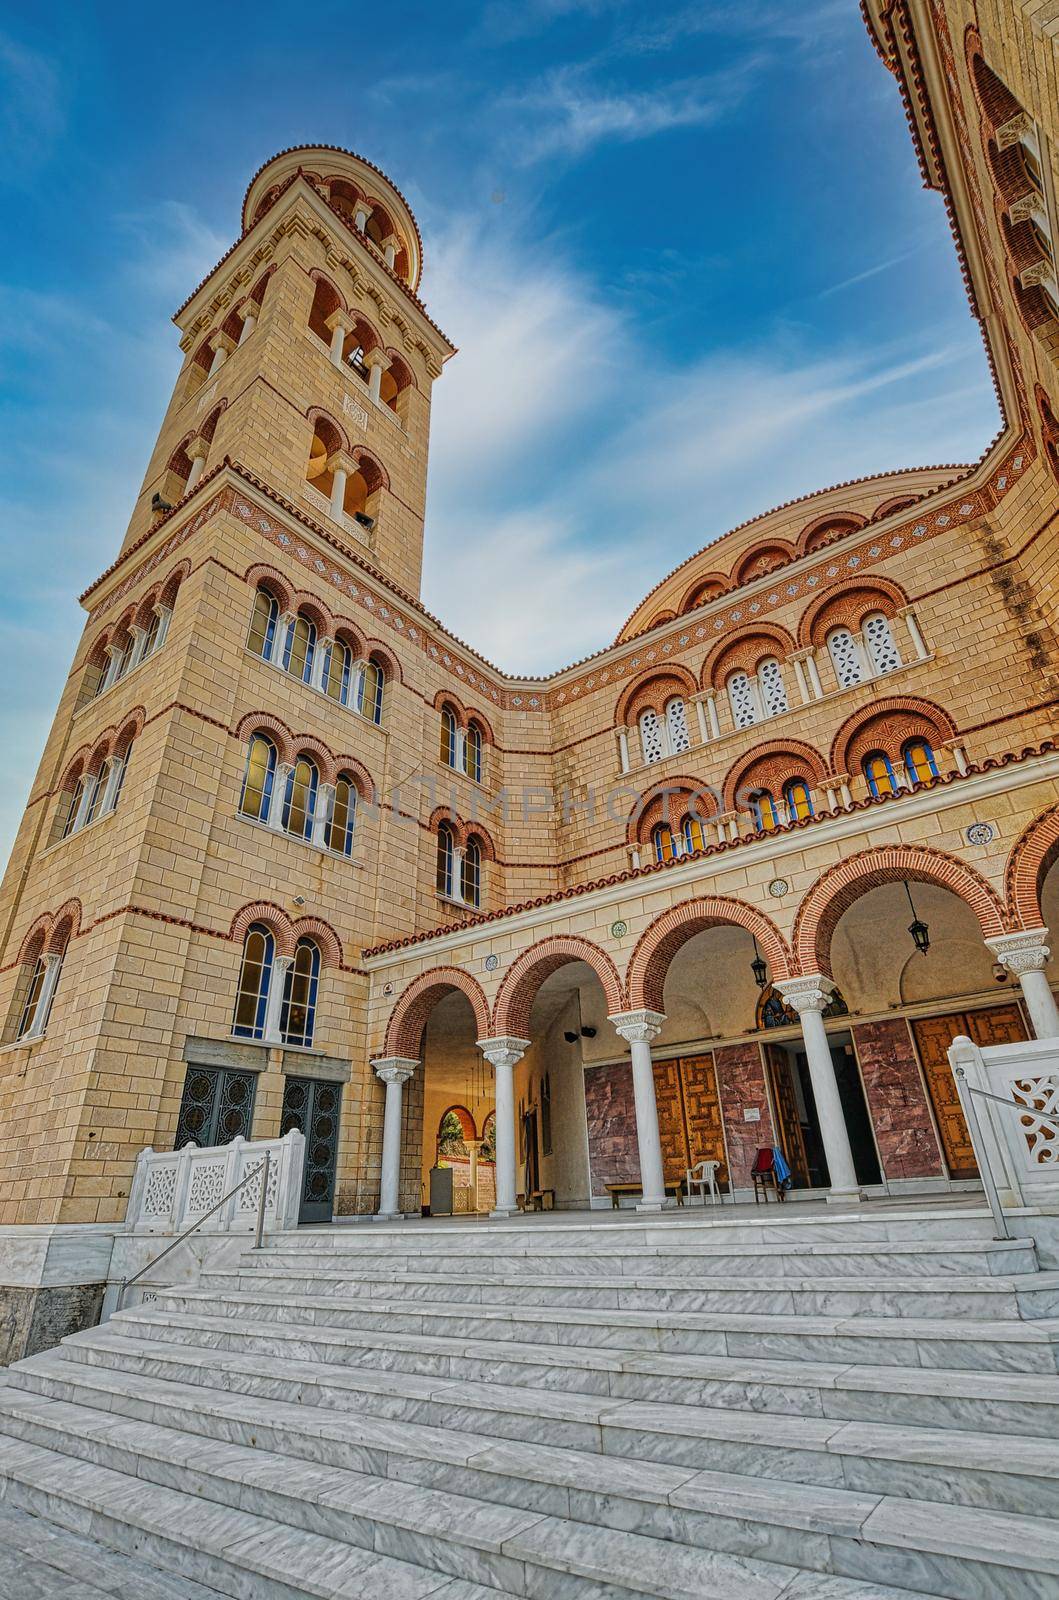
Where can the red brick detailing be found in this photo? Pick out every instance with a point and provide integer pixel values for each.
(130, 729)
(762, 559)
(362, 779)
(384, 656)
(349, 634)
(741, 1085)
(900, 502)
(324, 936)
(824, 530)
(897, 1100)
(610, 1111)
(307, 605)
(514, 1001)
(409, 1017)
(668, 802)
(263, 576)
(770, 766)
(315, 750)
(709, 586)
(33, 941)
(463, 715)
(652, 690)
(838, 887)
(745, 652)
(273, 916)
(173, 582)
(326, 428)
(74, 768)
(1036, 850)
(370, 468)
(1049, 430)
(847, 607)
(50, 932)
(661, 940)
(272, 727)
(885, 725)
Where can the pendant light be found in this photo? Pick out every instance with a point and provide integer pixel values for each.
(758, 968)
(917, 927)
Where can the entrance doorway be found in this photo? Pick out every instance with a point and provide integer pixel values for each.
(798, 1129)
(530, 1153)
(312, 1105)
(933, 1036)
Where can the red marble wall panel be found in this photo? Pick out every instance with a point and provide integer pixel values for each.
(897, 1101)
(741, 1085)
(612, 1151)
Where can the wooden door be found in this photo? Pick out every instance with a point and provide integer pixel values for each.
(933, 1036)
(671, 1128)
(702, 1113)
(785, 1101)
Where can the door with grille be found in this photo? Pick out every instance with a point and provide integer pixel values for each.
(313, 1106)
(217, 1106)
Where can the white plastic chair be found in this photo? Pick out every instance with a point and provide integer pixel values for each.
(703, 1177)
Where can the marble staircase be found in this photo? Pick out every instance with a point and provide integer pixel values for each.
(852, 1406)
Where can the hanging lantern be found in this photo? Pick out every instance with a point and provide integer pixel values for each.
(917, 927)
(758, 968)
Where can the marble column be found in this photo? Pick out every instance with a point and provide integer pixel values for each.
(503, 1056)
(639, 1028)
(1026, 954)
(277, 984)
(394, 1072)
(377, 361)
(341, 324)
(250, 313)
(198, 450)
(808, 996)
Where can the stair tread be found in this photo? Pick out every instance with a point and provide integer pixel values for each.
(940, 1283)
(965, 1382)
(39, 1560)
(988, 1451)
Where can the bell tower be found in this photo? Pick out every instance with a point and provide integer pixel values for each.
(309, 361)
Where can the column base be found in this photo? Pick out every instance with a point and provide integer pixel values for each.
(505, 1211)
(388, 1216)
(845, 1197)
(654, 1205)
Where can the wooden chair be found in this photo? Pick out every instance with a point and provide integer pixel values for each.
(703, 1176)
(763, 1173)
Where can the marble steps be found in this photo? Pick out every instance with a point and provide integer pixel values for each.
(981, 1401)
(999, 1472)
(500, 1553)
(931, 1258)
(1008, 1345)
(41, 1561)
(332, 1477)
(1030, 1295)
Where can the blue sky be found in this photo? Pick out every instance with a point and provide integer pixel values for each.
(684, 250)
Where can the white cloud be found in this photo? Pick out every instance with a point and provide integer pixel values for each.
(174, 248)
(31, 113)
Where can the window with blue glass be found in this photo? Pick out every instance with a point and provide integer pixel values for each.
(298, 1016)
(299, 802)
(258, 779)
(919, 762)
(343, 817)
(251, 1000)
(879, 772)
(299, 648)
(799, 800)
(263, 623)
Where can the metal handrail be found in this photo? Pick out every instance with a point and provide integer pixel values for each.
(262, 1167)
(988, 1181)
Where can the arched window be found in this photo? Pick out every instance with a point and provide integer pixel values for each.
(263, 622)
(151, 638)
(693, 834)
(34, 996)
(885, 656)
(741, 700)
(764, 810)
(343, 817)
(919, 762)
(652, 741)
(299, 994)
(299, 802)
(255, 973)
(677, 726)
(880, 774)
(799, 800)
(471, 874)
(449, 736)
(446, 860)
(338, 671)
(259, 778)
(472, 752)
(80, 799)
(662, 839)
(845, 657)
(772, 688)
(299, 648)
(369, 693)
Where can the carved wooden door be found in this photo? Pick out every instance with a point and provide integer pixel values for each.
(785, 1101)
(671, 1120)
(933, 1036)
(702, 1113)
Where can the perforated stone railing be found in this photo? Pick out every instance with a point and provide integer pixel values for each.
(1017, 1103)
(172, 1189)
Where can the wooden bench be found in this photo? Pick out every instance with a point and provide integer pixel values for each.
(618, 1190)
(539, 1200)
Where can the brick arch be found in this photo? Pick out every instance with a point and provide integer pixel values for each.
(745, 651)
(767, 556)
(514, 1001)
(362, 778)
(398, 363)
(320, 280)
(273, 916)
(695, 595)
(264, 722)
(668, 933)
(305, 744)
(847, 606)
(350, 634)
(463, 1117)
(316, 415)
(485, 839)
(1049, 430)
(445, 697)
(897, 502)
(659, 618)
(651, 690)
(1034, 853)
(316, 611)
(125, 621)
(410, 1015)
(479, 717)
(370, 468)
(823, 530)
(885, 725)
(770, 766)
(209, 427)
(667, 802)
(172, 583)
(257, 293)
(66, 925)
(73, 769)
(838, 887)
(323, 935)
(35, 939)
(100, 750)
(146, 607)
(262, 576)
(384, 657)
(130, 729)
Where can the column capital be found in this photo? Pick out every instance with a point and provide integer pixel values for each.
(340, 319)
(223, 341)
(1028, 950)
(811, 992)
(394, 1069)
(376, 358)
(198, 449)
(804, 653)
(503, 1052)
(342, 461)
(638, 1027)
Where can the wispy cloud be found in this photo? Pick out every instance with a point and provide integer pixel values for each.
(31, 111)
(169, 246)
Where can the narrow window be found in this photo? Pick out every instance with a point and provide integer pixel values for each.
(343, 818)
(471, 874)
(299, 995)
(885, 656)
(472, 752)
(662, 839)
(773, 690)
(880, 774)
(251, 999)
(845, 657)
(259, 778)
(799, 800)
(741, 700)
(150, 638)
(446, 860)
(369, 698)
(299, 802)
(448, 736)
(338, 672)
(300, 648)
(919, 762)
(652, 742)
(764, 810)
(71, 805)
(693, 834)
(263, 621)
(677, 726)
